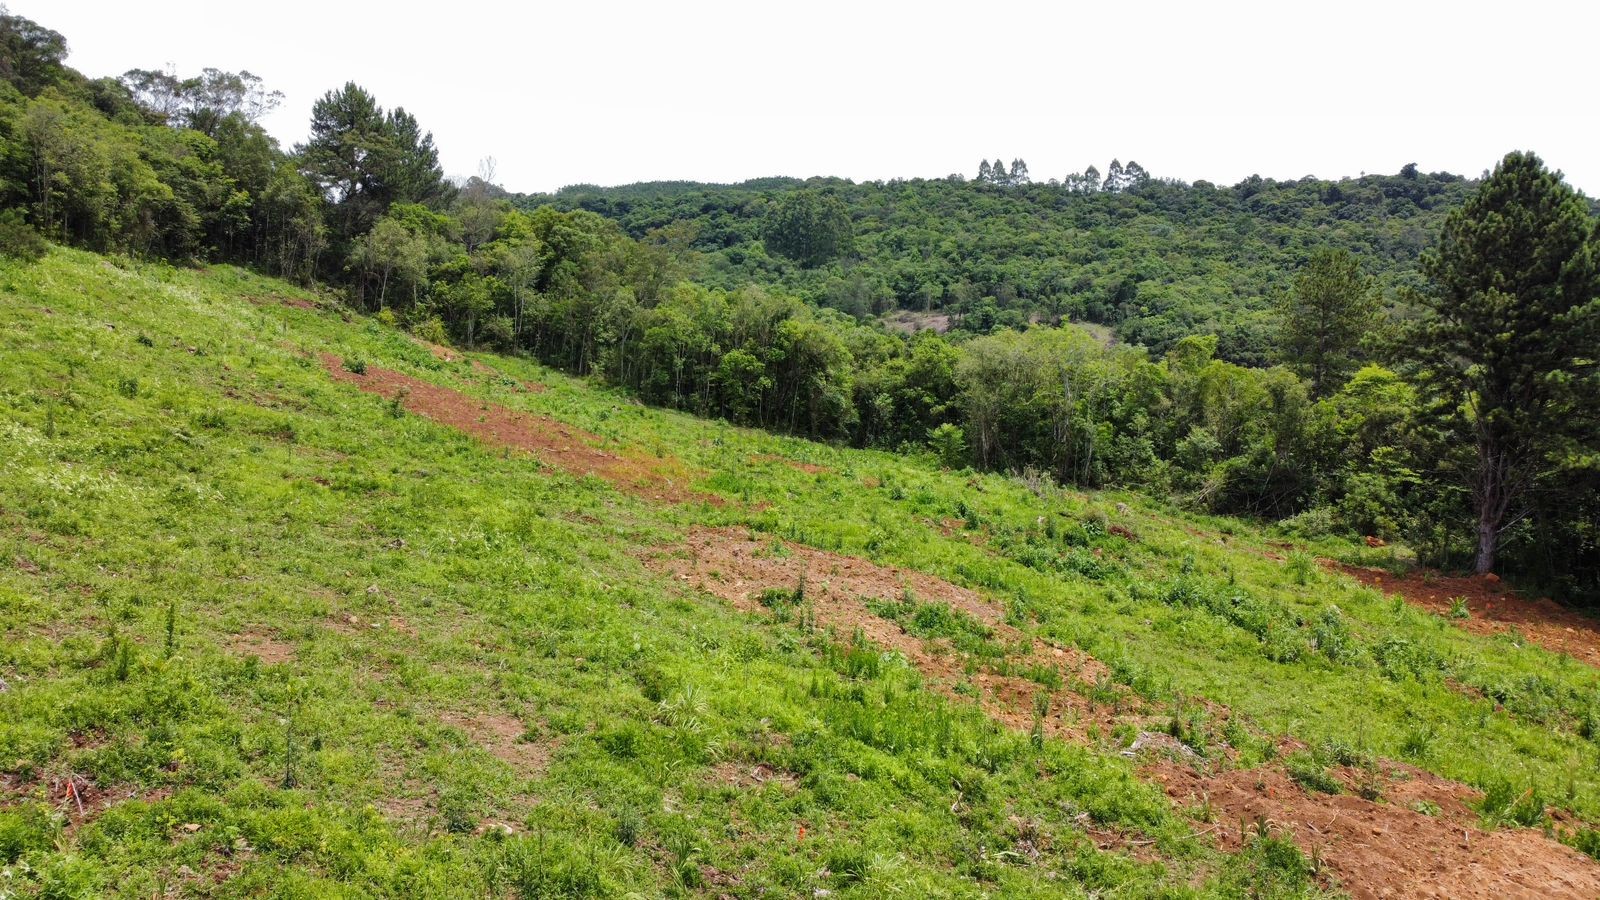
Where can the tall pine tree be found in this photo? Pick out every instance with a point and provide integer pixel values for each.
(1508, 344)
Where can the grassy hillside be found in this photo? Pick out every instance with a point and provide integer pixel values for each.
(294, 605)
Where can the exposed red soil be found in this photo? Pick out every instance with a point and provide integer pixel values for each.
(76, 797)
(1380, 848)
(562, 446)
(439, 351)
(1494, 608)
(295, 302)
(1388, 849)
(808, 468)
(263, 644)
(737, 567)
(502, 737)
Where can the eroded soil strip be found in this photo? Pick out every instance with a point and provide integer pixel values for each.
(1494, 608)
(737, 567)
(1387, 848)
(569, 449)
(1382, 848)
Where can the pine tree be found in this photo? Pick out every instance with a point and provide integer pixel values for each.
(1507, 345)
(1324, 318)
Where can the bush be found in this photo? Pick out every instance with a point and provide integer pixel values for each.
(1504, 803)
(18, 240)
(432, 330)
(24, 829)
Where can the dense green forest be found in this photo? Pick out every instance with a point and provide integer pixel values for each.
(1405, 356)
(1156, 259)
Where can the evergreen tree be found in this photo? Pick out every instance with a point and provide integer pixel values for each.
(998, 174)
(1507, 346)
(985, 173)
(1324, 317)
(1091, 180)
(1019, 172)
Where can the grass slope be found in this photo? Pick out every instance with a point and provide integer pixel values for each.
(265, 634)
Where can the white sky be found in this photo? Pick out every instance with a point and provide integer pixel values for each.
(610, 93)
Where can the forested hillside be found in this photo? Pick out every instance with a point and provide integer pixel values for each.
(1403, 357)
(1158, 260)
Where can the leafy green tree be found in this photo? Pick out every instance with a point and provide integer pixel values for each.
(30, 55)
(1507, 347)
(808, 227)
(1331, 307)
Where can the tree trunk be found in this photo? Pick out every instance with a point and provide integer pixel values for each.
(1488, 537)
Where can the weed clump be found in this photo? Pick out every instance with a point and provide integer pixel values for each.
(1311, 773)
(1503, 804)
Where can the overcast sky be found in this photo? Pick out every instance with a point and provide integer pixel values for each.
(610, 93)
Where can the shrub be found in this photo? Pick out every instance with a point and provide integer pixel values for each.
(356, 365)
(1301, 568)
(18, 239)
(1504, 803)
(1585, 840)
(431, 329)
(23, 829)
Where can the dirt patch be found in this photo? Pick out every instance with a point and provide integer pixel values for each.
(562, 446)
(1492, 606)
(264, 645)
(75, 796)
(738, 567)
(1382, 848)
(503, 738)
(808, 468)
(1387, 849)
(439, 351)
(279, 299)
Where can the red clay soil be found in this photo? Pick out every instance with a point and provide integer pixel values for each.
(562, 446)
(1495, 608)
(733, 565)
(1388, 849)
(503, 737)
(294, 302)
(1380, 848)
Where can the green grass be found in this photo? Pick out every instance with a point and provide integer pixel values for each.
(456, 637)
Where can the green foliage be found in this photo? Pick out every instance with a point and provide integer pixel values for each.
(1506, 349)
(18, 239)
(1332, 306)
(808, 227)
(1506, 803)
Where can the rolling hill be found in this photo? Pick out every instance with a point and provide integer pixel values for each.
(295, 604)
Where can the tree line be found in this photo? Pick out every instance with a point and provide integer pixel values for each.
(1318, 362)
